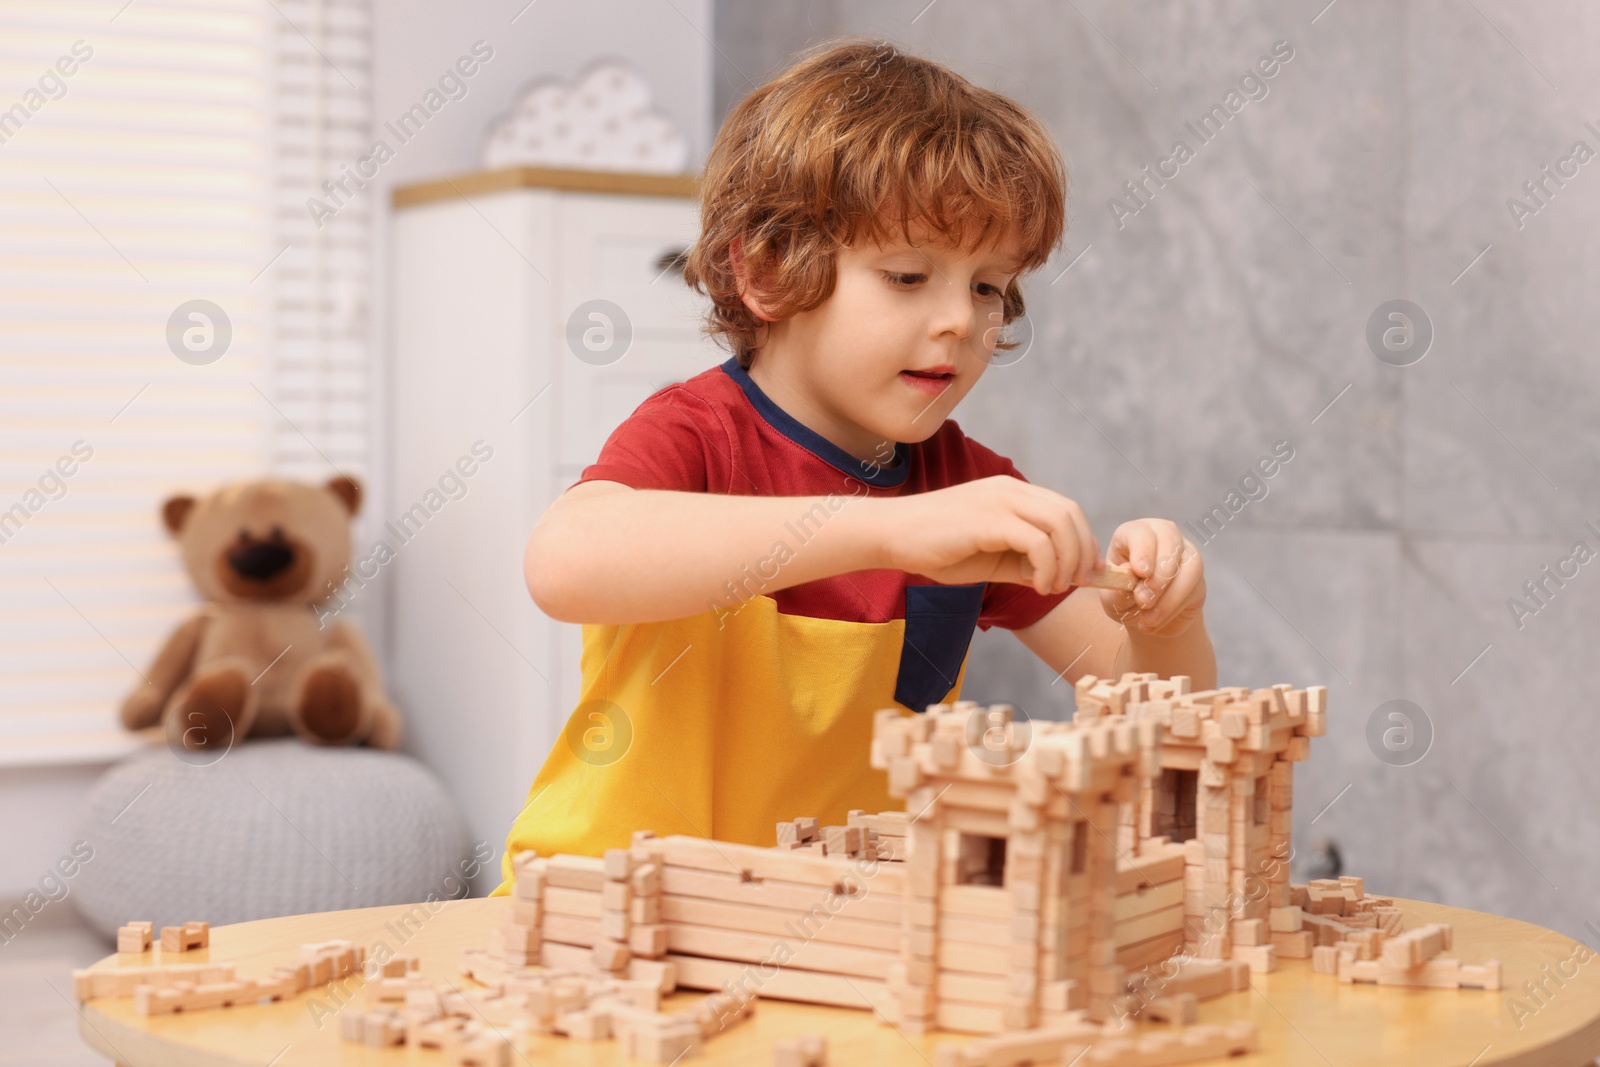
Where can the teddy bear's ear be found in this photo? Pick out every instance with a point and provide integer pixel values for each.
(175, 512)
(348, 490)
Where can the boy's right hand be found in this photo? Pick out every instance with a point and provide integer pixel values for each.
(983, 530)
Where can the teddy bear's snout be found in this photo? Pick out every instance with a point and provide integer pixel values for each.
(266, 568)
(261, 561)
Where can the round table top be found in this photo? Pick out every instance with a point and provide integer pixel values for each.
(1303, 1017)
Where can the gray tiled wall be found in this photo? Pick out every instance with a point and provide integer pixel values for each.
(1229, 313)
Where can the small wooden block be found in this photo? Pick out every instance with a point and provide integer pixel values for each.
(616, 896)
(135, 937)
(1286, 920)
(1181, 1009)
(618, 864)
(400, 966)
(383, 1029)
(1260, 958)
(806, 1050)
(610, 955)
(1293, 946)
(1250, 932)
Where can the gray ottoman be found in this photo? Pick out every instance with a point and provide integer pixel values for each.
(274, 827)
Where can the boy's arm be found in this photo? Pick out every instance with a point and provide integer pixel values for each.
(609, 553)
(1077, 637)
(606, 552)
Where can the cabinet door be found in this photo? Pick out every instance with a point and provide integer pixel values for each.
(624, 323)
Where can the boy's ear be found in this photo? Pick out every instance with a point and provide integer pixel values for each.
(749, 292)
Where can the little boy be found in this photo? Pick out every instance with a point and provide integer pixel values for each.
(766, 554)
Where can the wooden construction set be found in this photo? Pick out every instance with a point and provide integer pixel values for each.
(1047, 883)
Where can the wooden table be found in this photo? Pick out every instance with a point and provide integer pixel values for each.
(1304, 1018)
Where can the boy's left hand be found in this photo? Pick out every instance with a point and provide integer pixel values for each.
(1172, 586)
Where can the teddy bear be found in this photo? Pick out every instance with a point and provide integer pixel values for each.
(256, 659)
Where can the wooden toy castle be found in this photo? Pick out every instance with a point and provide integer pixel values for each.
(1036, 865)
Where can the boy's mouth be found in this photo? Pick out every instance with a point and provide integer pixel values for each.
(933, 381)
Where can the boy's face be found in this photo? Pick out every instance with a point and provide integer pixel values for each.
(906, 333)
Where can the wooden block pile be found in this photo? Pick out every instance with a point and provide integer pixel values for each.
(888, 829)
(167, 988)
(88, 984)
(1409, 959)
(485, 1027)
(450, 1025)
(860, 839)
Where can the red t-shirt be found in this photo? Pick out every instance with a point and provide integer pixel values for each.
(719, 433)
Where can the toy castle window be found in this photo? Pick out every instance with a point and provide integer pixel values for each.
(982, 860)
(1080, 847)
(1174, 814)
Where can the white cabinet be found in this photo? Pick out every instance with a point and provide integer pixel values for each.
(496, 341)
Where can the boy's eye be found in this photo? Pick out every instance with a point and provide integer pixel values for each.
(902, 279)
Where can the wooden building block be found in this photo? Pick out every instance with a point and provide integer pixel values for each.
(1285, 920)
(1416, 946)
(433, 1033)
(806, 1050)
(617, 864)
(1293, 946)
(383, 1029)
(185, 938)
(657, 1037)
(648, 940)
(1260, 958)
(1437, 973)
(1181, 1009)
(610, 955)
(616, 896)
(135, 937)
(473, 1046)
(400, 966)
(1250, 932)
(1208, 978)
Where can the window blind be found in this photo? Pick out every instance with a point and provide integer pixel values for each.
(153, 154)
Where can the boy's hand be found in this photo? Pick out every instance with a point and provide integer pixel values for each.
(996, 529)
(1172, 586)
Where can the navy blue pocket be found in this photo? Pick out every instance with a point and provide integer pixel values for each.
(939, 624)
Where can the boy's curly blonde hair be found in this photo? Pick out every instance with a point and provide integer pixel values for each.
(855, 138)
